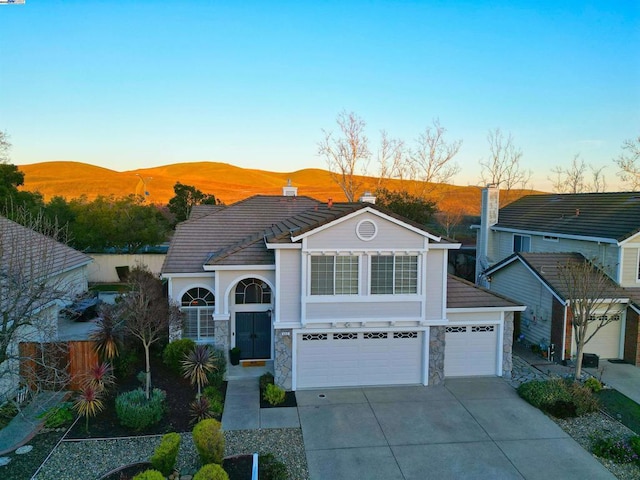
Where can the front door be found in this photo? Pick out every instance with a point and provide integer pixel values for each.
(253, 334)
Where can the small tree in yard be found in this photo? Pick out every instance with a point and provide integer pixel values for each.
(197, 364)
(146, 313)
(591, 299)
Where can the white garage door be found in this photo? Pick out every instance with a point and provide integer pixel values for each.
(344, 359)
(470, 350)
(605, 343)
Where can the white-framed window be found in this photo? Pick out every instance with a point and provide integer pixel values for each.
(549, 238)
(252, 290)
(198, 306)
(334, 275)
(394, 274)
(521, 243)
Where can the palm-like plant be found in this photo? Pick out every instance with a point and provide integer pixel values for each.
(88, 403)
(200, 409)
(197, 364)
(107, 336)
(99, 376)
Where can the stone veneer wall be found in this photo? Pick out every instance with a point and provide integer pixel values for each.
(282, 363)
(221, 335)
(507, 345)
(436, 355)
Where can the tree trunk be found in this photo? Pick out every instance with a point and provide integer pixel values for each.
(579, 362)
(148, 371)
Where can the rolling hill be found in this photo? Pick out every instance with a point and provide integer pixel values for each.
(227, 182)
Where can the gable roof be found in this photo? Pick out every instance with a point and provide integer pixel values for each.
(614, 216)
(199, 211)
(35, 253)
(226, 230)
(239, 233)
(546, 267)
(464, 294)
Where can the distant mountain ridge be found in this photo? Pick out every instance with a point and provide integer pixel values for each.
(227, 182)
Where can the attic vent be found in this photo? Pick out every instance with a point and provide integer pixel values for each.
(366, 230)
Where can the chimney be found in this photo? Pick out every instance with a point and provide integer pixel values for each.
(289, 191)
(367, 197)
(488, 218)
(330, 203)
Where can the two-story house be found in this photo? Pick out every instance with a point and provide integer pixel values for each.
(521, 246)
(334, 294)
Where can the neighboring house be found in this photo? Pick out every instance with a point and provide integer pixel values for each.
(521, 245)
(38, 277)
(336, 294)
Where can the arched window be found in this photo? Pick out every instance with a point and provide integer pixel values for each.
(198, 305)
(252, 290)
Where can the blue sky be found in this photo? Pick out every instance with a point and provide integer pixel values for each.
(136, 84)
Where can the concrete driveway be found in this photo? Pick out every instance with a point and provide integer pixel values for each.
(623, 377)
(471, 428)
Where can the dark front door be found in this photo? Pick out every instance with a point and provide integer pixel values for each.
(253, 334)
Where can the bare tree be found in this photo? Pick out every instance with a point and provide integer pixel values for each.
(347, 155)
(591, 297)
(450, 219)
(626, 161)
(392, 162)
(5, 146)
(502, 168)
(146, 313)
(33, 283)
(432, 158)
(573, 179)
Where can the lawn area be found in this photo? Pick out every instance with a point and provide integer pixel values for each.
(621, 407)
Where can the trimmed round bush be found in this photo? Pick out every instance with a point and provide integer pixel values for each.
(209, 441)
(149, 475)
(559, 397)
(136, 412)
(274, 394)
(593, 384)
(174, 353)
(211, 471)
(165, 455)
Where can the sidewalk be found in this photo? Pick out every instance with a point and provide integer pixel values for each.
(242, 409)
(26, 424)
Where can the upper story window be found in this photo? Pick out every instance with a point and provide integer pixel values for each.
(521, 243)
(394, 274)
(334, 275)
(252, 290)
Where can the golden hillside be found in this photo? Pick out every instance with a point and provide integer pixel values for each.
(226, 182)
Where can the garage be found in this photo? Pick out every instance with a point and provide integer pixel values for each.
(341, 359)
(470, 350)
(605, 343)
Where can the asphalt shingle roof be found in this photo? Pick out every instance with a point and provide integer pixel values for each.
(464, 294)
(613, 216)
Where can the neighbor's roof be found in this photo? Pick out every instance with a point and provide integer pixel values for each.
(37, 254)
(613, 216)
(464, 294)
(199, 211)
(238, 234)
(546, 266)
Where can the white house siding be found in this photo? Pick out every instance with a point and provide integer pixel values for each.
(363, 311)
(289, 288)
(517, 283)
(72, 283)
(343, 236)
(103, 268)
(629, 268)
(435, 279)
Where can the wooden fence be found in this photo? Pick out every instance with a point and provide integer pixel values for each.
(56, 365)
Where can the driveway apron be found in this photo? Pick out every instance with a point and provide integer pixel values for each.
(469, 428)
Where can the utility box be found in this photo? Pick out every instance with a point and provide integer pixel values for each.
(590, 360)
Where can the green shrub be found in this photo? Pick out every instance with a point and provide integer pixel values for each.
(149, 475)
(165, 455)
(635, 444)
(7, 412)
(174, 353)
(270, 468)
(555, 396)
(617, 450)
(274, 394)
(125, 362)
(136, 412)
(593, 384)
(216, 377)
(266, 379)
(211, 471)
(215, 398)
(209, 441)
(58, 416)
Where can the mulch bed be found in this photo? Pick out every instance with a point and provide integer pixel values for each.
(179, 392)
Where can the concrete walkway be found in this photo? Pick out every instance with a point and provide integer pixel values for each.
(26, 424)
(624, 377)
(242, 409)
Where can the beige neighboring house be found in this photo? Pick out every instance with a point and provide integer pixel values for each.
(38, 277)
